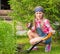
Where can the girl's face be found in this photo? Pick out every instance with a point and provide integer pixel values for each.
(39, 15)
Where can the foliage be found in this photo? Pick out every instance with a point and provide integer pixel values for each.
(7, 38)
(23, 10)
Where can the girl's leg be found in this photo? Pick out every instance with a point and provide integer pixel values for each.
(32, 35)
(35, 40)
(48, 45)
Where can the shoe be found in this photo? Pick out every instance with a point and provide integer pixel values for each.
(35, 48)
(48, 48)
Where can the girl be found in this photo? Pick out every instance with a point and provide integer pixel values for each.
(41, 30)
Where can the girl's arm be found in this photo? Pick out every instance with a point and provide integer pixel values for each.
(48, 36)
(31, 26)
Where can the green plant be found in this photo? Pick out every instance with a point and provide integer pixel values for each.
(7, 38)
(23, 10)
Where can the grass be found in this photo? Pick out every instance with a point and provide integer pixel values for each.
(24, 40)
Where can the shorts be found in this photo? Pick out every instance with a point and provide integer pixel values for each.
(42, 34)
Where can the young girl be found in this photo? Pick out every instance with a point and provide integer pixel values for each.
(41, 30)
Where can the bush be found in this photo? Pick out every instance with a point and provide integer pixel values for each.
(23, 9)
(7, 38)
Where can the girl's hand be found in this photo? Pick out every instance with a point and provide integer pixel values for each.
(48, 36)
(29, 25)
(53, 31)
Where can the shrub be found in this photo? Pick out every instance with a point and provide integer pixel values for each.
(23, 9)
(7, 38)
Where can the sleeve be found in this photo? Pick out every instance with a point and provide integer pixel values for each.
(47, 24)
(51, 31)
(33, 29)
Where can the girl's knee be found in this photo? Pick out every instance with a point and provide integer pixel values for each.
(32, 42)
(29, 32)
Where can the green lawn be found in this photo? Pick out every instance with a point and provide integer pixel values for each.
(25, 41)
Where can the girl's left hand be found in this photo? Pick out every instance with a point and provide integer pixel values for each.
(53, 31)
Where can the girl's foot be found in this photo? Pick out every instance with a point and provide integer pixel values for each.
(35, 48)
(48, 48)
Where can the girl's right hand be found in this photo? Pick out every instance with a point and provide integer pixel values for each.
(29, 25)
